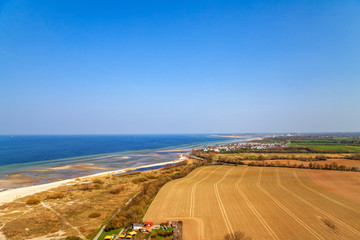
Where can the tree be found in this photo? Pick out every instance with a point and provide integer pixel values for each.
(72, 238)
(237, 236)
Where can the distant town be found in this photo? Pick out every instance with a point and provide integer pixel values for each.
(246, 146)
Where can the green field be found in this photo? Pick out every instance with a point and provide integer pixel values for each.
(328, 147)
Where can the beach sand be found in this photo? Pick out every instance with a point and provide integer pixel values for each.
(247, 137)
(13, 194)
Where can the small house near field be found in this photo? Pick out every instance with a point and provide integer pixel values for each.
(156, 226)
(148, 224)
(137, 226)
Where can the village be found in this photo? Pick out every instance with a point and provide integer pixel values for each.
(148, 230)
(246, 146)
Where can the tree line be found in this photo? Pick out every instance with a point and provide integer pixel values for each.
(332, 166)
(136, 209)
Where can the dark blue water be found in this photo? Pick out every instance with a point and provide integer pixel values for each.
(41, 156)
(25, 149)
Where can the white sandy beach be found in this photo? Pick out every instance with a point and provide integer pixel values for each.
(13, 194)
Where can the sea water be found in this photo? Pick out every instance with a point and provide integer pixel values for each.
(40, 156)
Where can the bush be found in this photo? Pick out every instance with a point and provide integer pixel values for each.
(72, 238)
(86, 187)
(321, 157)
(237, 236)
(151, 177)
(55, 196)
(98, 181)
(117, 190)
(129, 174)
(328, 223)
(355, 156)
(33, 201)
(139, 179)
(94, 215)
(164, 233)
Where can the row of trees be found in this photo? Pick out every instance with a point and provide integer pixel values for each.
(290, 149)
(355, 156)
(208, 156)
(275, 157)
(332, 166)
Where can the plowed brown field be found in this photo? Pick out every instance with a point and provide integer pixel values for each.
(264, 203)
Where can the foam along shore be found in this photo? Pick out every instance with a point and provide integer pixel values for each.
(13, 194)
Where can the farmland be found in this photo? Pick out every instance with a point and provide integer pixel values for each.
(327, 147)
(263, 203)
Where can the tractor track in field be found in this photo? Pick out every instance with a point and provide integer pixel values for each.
(221, 205)
(163, 210)
(193, 191)
(267, 204)
(323, 195)
(285, 209)
(253, 209)
(315, 207)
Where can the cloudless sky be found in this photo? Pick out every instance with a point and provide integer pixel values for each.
(113, 67)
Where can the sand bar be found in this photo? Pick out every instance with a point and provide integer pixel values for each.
(12, 194)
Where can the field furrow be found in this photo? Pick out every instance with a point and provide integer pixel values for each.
(264, 203)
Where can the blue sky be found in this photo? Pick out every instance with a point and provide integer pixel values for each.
(112, 67)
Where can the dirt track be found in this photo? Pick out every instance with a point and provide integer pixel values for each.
(264, 203)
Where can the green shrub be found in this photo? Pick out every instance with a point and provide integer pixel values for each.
(72, 238)
(164, 233)
(98, 181)
(139, 179)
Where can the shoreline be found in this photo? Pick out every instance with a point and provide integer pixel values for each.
(10, 195)
(247, 137)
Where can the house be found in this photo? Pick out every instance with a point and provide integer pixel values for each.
(148, 224)
(156, 226)
(137, 226)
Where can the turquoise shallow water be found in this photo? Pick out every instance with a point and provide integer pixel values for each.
(36, 155)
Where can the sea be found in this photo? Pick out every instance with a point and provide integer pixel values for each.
(36, 159)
